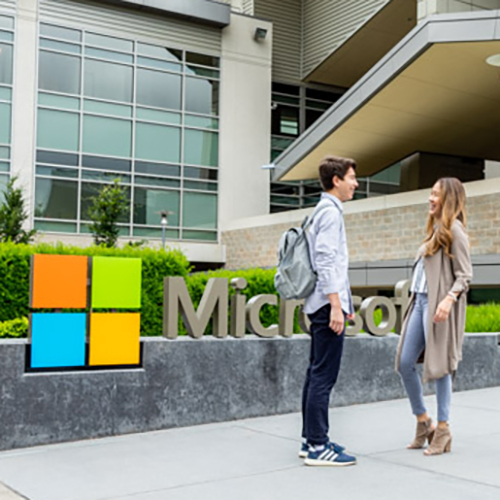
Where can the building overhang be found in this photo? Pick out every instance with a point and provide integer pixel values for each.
(345, 65)
(200, 11)
(433, 92)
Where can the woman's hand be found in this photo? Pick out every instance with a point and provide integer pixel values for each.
(443, 309)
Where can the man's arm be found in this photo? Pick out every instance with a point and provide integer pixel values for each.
(327, 246)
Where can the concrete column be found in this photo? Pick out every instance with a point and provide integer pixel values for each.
(245, 124)
(24, 100)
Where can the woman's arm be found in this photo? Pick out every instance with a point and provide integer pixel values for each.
(461, 263)
(462, 270)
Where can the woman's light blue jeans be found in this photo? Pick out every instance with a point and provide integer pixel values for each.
(414, 344)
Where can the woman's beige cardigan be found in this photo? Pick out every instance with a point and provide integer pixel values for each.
(443, 348)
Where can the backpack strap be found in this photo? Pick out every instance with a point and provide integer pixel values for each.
(319, 208)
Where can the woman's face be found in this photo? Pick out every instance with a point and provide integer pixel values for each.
(435, 201)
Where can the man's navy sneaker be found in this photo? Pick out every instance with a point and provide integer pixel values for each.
(337, 448)
(328, 457)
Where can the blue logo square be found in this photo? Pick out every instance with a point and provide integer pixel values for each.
(58, 339)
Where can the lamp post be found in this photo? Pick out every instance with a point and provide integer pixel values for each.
(164, 223)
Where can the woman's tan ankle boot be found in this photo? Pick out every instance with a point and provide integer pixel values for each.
(441, 443)
(425, 432)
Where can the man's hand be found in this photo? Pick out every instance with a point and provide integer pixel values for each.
(443, 310)
(337, 320)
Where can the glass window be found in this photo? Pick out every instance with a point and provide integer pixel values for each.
(202, 96)
(56, 199)
(6, 36)
(4, 123)
(4, 166)
(100, 163)
(200, 173)
(199, 235)
(107, 136)
(157, 169)
(59, 73)
(161, 90)
(57, 158)
(285, 89)
(195, 70)
(322, 95)
(157, 181)
(5, 63)
(157, 142)
(58, 130)
(6, 22)
(4, 180)
(285, 121)
(199, 210)
(200, 186)
(56, 227)
(159, 52)
(107, 108)
(201, 148)
(204, 60)
(148, 203)
(58, 32)
(311, 116)
(109, 54)
(4, 153)
(97, 175)
(89, 191)
(57, 172)
(109, 42)
(108, 80)
(150, 232)
(59, 101)
(155, 63)
(5, 94)
(201, 121)
(155, 115)
(61, 46)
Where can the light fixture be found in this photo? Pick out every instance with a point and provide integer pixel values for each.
(260, 34)
(494, 60)
(164, 223)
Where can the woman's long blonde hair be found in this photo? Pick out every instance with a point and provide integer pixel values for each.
(452, 198)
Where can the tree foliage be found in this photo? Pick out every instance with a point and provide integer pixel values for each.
(105, 211)
(13, 215)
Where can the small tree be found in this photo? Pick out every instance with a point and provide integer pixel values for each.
(106, 209)
(13, 215)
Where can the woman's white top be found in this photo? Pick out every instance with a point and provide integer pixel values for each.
(419, 280)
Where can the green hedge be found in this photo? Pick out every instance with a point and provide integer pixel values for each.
(15, 277)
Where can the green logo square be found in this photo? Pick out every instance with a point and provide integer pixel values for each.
(116, 283)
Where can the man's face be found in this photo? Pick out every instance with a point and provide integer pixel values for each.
(346, 186)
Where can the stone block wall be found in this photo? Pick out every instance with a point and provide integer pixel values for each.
(378, 229)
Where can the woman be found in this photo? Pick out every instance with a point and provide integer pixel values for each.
(435, 320)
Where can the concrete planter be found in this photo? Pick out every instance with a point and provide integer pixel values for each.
(187, 382)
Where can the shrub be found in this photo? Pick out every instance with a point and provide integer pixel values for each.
(14, 328)
(483, 318)
(156, 264)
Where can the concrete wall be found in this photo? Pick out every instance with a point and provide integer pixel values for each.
(431, 7)
(245, 120)
(188, 382)
(378, 229)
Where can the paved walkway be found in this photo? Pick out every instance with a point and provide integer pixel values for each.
(256, 459)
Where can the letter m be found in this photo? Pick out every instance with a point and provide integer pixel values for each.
(213, 302)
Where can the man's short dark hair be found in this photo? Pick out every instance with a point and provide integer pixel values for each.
(331, 166)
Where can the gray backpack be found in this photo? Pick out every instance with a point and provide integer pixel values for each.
(295, 277)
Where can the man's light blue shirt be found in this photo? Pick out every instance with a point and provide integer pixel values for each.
(329, 256)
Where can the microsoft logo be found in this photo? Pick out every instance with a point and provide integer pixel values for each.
(99, 334)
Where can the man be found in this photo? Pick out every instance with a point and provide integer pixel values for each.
(327, 307)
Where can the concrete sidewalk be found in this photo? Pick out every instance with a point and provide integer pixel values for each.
(256, 459)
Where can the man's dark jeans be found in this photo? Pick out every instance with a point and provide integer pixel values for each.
(324, 366)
